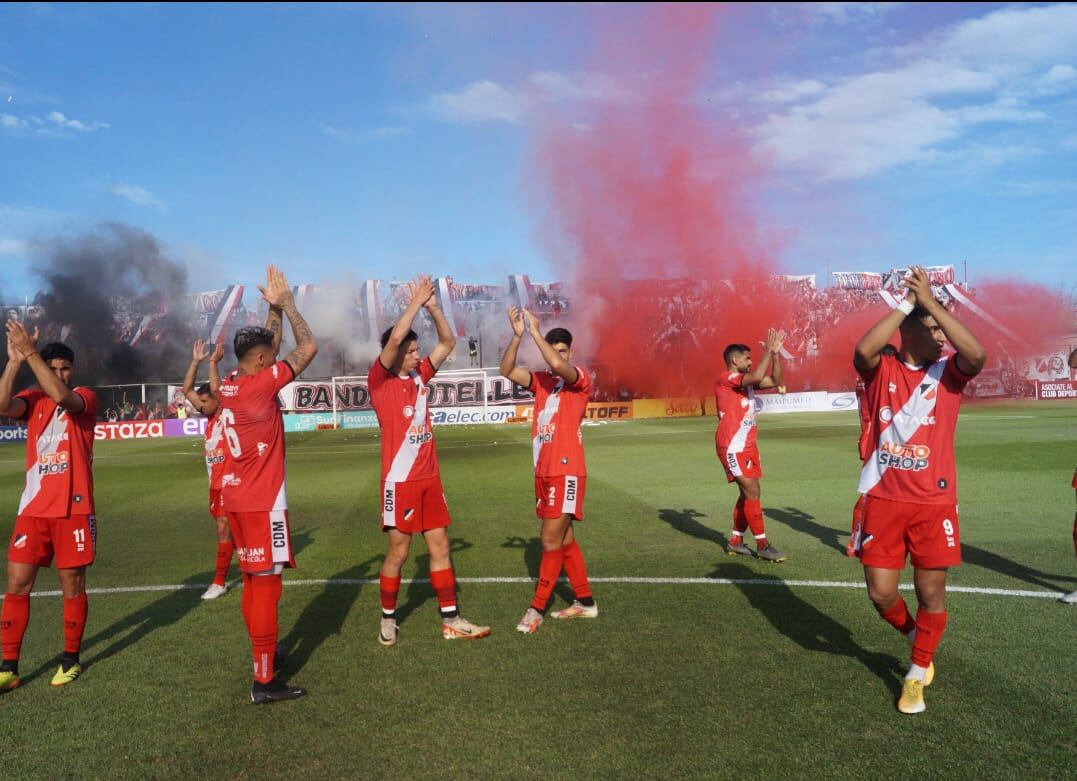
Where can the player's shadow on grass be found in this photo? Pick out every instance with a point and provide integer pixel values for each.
(532, 549)
(983, 558)
(418, 593)
(800, 521)
(807, 626)
(136, 626)
(325, 615)
(685, 522)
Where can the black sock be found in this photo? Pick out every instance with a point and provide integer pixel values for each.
(10, 666)
(586, 601)
(68, 660)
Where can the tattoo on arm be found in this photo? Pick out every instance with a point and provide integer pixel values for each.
(305, 346)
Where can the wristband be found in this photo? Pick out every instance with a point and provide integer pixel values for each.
(906, 306)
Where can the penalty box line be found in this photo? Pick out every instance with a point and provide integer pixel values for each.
(772, 582)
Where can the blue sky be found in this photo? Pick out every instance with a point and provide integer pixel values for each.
(378, 141)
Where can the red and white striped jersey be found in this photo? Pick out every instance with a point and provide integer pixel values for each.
(736, 413)
(408, 450)
(865, 444)
(215, 450)
(913, 422)
(250, 423)
(59, 456)
(556, 440)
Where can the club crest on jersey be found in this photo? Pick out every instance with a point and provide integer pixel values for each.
(928, 391)
(409, 411)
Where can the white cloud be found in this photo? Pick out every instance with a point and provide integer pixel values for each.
(480, 101)
(12, 247)
(990, 69)
(12, 122)
(488, 101)
(838, 13)
(375, 134)
(58, 119)
(791, 92)
(136, 195)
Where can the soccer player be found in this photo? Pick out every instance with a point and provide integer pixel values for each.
(866, 445)
(1071, 598)
(56, 512)
(413, 500)
(910, 478)
(735, 439)
(204, 400)
(253, 487)
(560, 469)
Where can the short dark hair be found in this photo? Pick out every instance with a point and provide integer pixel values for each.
(889, 349)
(732, 350)
(54, 350)
(411, 336)
(203, 390)
(559, 336)
(248, 338)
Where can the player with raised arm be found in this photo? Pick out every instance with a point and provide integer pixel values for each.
(910, 477)
(56, 512)
(735, 439)
(412, 497)
(204, 400)
(253, 486)
(561, 396)
(1071, 598)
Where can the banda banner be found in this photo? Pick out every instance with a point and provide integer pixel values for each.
(317, 396)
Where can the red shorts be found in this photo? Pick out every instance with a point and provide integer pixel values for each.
(414, 506)
(73, 540)
(928, 533)
(1074, 483)
(560, 495)
(742, 464)
(263, 540)
(215, 508)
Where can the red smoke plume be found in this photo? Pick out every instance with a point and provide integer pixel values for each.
(650, 186)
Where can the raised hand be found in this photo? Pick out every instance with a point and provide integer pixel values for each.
(422, 290)
(516, 320)
(218, 353)
(20, 340)
(277, 291)
(777, 341)
(199, 351)
(918, 283)
(533, 323)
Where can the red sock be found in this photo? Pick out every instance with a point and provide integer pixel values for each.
(444, 583)
(576, 568)
(549, 572)
(929, 629)
(740, 520)
(265, 594)
(75, 610)
(224, 561)
(753, 511)
(246, 599)
(1075, 534)
(13, 620)
(390, 588)
(898, 616)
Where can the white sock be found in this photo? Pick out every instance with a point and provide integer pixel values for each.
(917, 672)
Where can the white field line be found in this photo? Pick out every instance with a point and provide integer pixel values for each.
(995, 592)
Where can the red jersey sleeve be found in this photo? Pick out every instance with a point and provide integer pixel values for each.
(427, 370)
(953, 378)
(731, 380)
(583, 380)
(377, 375)
(31, 397)
(89, 399)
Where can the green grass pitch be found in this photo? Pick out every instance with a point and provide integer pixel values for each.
(700, 680)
